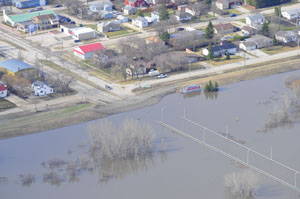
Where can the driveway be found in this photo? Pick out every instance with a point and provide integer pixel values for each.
(258, 53)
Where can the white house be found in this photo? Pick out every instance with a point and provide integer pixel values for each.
(87, 51)
(140, 22)
(256, 42)
(286, 36)
(101, 6)
(291, 14)
(221, 49)
(42, 88)
(122, 19)
(3, 91)
(255, 20)
(66, 28)
(82, 33)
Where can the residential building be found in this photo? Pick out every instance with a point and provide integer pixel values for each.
(28, 3)
(66, 28)
(129, 10)
(247, 30)
(140, 22)
(106, 15)
(15, 67)
(255, 20)
(226, 28)
(291, 14)
(101, 6)
(82, 33)
(256, 42)
(13, 20)
(108, 26)
(3, 90)
(286, 36)
(45, 22)
(154, 39)
(197, 34)
(221, 50)
(122, 19)
(225, 4)
(42, 88)
(87, 51)
(182, 16)
(136, 3)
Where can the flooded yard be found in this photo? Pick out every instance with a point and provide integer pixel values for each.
(56, 163)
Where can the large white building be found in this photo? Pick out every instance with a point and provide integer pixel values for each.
(291, 14)
(41, 88)
(82, 33)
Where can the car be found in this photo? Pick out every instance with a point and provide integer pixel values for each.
(72, 22)
(233, 15)
(180, 29)
(68, 20)
(162, 76)
(108, 87)
(76, 41)
(32, 10)
(58, 6)
(39, 8)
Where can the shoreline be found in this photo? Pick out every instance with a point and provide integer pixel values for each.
(140, 100)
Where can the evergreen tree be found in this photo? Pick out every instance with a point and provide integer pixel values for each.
(165, 36)
(209, 31)
(227, 55)
(265, 28)
(216, 86)
(163, 13)
(276, 11)
(274, 40)
(210, 52)
(139, 13)
(208, 2)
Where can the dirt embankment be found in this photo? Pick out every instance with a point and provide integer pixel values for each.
(22, 124)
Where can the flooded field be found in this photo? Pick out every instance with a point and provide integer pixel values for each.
(57, 163)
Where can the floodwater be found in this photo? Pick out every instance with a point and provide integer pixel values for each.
(185, 170)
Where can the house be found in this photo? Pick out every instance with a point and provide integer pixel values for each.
(106, 15)
(3, 90)
(13, 20)
(42, 88)
(138, 69)
(255, 20)
(129, 10)
(122, 19)
(154, 39)
(197, 34)
(101, 6)
(28, 3)
(256, 42)
(286, 36)
(226, 28)
(247, 30)
(136, 3)
(225, 4)
(45, 22)
(87, 51)
(108, 26)
(15, 67)
(291, 14)
(182, 16)
(82, 33)
(221, 50)
(140, 22)
(66, 28)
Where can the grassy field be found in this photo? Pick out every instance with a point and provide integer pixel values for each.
(233, 11)
(92, 26)
(283, 27)
(223, 61)
(277, 49)
(4, 104)
(124, 31)
(243, 20)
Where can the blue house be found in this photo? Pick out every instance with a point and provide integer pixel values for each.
(101, 6)
(28, 3)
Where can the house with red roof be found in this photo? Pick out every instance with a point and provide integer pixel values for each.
(87, 51)
(136, 3)
(3, 91)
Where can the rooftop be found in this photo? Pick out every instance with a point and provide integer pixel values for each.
(15, 65)
(91, 47)
(28, 16)
(2, 87)
(81, 30)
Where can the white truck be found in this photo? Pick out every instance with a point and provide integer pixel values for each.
(154, 73)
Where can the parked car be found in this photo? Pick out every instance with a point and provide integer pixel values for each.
(58, 6)
(162, 76)
(72, 22)
(76, 41)
(108, 87)
(32, 10)
(233, 15)
(180, 29)
(39, 8)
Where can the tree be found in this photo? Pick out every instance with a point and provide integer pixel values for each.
(209, 31)
(163, 13)
(210, 87)
(274, 40)
(227, 55)
(139, 13)
(265, 29)
(165, 36)
(276, 11)
(210, 52)
(208, 2)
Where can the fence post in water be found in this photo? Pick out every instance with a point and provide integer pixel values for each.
(271, 153)
(248, 156)
(203, 135)
(295, 179)
(161, 114)
(227, 132)
(183, 110)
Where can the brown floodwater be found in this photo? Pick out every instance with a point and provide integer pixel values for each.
(184, 170)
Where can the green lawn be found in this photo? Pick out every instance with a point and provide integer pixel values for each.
(207, 16)
(92, 26)
(282, 27)
(4, 104)
(243, 20)
(124, 31)
(233, 11)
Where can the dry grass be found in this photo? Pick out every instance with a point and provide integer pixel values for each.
(4, 105)
(223, 61)
(277, 49)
